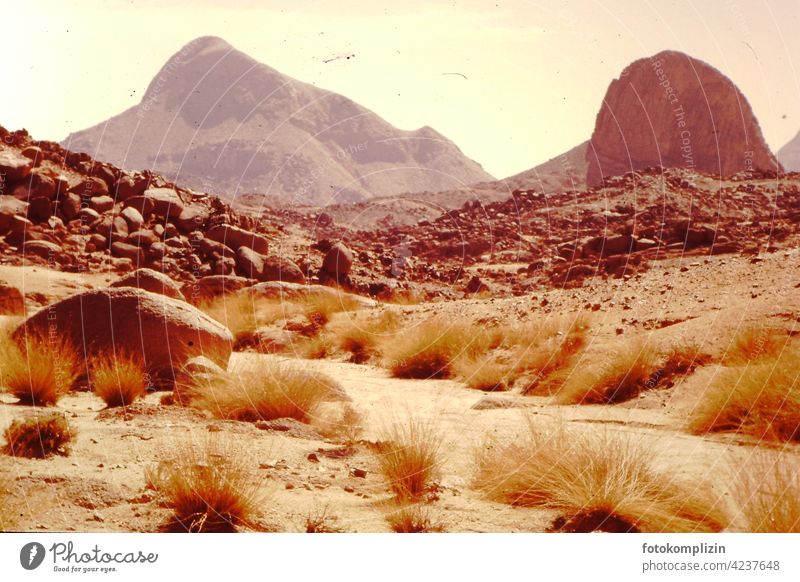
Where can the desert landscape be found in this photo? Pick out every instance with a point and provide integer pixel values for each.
(232, 337)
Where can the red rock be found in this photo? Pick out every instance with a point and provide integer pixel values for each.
(14, 167)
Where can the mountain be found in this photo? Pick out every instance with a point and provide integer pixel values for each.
(564, 172)
(789, 155)
(672, 110)
(217, 120)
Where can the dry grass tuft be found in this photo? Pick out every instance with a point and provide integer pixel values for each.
(345, 425)
(119, 380)
(38, 436)
(484, 373)
(431, 349)
(413, 518)
(630, 370)
(761, 400)
(321, 521)
(41, 372)
(768, 493)
(362, 338)
(265, 391)
(408, 457)
(754, 343)
(208, 488)
(599, 482)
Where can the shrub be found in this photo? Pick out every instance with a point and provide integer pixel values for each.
(320, 521)
(119, 380)
(38, 436)
(598, 482)
(754, 343)
(208, 488)
(408, 457)
(413, 519)
(40, 372)
(266, 391)
(761, 400)
(346, 424)
(626, 373)
(361, 338)
(768, 493)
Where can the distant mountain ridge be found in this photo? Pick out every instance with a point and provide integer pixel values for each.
(215, 119)
(789, 155)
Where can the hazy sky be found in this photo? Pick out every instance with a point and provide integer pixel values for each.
(536, 71)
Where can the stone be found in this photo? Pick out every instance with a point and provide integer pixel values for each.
(90, 187)
(142, 238)
(250, 263)
(338, 261)
(133, 217)
(14, 167)
(101, 204)
(47, 250)
(128, 186)
(214, 286)
(164, 331)
(166, 202)
(128, 251)
(10, 207)
(280, 269)
(236, 237)
(152, 281)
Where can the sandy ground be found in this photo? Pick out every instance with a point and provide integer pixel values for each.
(101, 486)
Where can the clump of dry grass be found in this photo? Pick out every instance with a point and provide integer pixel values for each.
(316, 347)
(362, 338)
(38, 436)
(413, 518)
(345, 424)
(265, 391)
(626, 373)
(768, 492)
(761, 400)
(409, 458)
(320, 307)
(321, 521)
(41, 371)
(548, 351)
(208, 488)
(431, 349)
(598, 482)
(118, 379)
(754, 343)
(484, 373)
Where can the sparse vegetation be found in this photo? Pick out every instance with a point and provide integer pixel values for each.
(598, 482)
(484, 373)
(768, 492)
(321, 521)
(761, 400)
(118, 379)
(754, 343)
(208, 488)
(408, 457)
(345, 424)
(265, 391)
(38, 436)
(413, 518)
(362, 338)
(627, 372)
(40, 372)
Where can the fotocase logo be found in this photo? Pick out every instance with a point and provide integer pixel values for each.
(31, 555)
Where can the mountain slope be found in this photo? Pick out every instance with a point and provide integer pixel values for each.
(217, 120)
(789, 155)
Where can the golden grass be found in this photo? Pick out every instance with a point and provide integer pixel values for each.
(345, 424)
(409, 458)
(484, 373)
(320, 307)
(430, 349)
(597, 481)
(754, 343)
(362, 338)
(316, 347)
(761, 400)
(321, 521)
(118, 379)
(768, 492)
(41, 372)
(208, 488)
(38, 436)
(265, 391)
(413, 518)
(623, 375)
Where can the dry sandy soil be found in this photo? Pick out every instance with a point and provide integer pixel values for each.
(101, 486)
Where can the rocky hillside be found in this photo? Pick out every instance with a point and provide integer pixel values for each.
(217, 120)
(671, 110)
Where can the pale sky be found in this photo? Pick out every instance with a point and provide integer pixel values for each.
(536, 70)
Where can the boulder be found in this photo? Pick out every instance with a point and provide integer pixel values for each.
(280, 269)
(10, 207)
(152, 281)
(101, 204)
(133, 217)
(90, 187)
(250, 263)
(338, 261)
(191, 218)
(70, 206)
(142, 238)
(236, 237)
(43, 249)
(14, 166)
(214, 286)
(128, 251)
(41, 208)
(164, 331)
(129, 186)
(166, 202)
